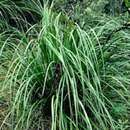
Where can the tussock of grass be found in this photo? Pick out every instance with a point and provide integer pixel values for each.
(62, 77)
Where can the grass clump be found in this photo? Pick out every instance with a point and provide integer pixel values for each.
(62, 77)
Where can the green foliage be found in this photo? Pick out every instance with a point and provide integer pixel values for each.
(127, 2)
(61, 71)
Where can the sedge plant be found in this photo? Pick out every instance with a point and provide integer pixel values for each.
(61, 77)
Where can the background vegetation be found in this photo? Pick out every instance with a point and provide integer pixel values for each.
(64, 65)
